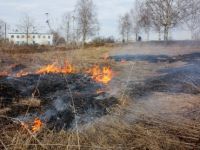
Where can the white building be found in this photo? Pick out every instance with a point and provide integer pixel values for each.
(33, 38)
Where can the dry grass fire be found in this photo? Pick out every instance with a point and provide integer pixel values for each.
(101, 99)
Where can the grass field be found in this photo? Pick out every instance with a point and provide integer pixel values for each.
(154, 122)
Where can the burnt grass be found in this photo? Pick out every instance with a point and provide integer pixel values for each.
(185, 79)
(59, 95)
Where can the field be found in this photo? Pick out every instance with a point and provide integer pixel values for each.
(152, 101)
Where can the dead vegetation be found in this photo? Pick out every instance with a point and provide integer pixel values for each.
(109, 132)
(147, 131)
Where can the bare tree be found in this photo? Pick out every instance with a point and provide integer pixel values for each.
(67, 26)
(145, 19)
(193, 20)
(125, 26)
(3, 28)
(121, 28)
(27, 26)
(136, 17)
(86, 19)
(167, 13)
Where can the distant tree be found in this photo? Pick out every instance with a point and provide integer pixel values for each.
(2, 29)
(86, 19)
(145, 19)
(27, 26)
(135, 14)
(167, 14)
(57, 38)
(125, 27)
(121, 28)
(67, 27)
(193, 20)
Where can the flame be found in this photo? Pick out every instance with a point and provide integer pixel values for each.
(21, 74)
(4, 73)
(67, 68)
(37, 125)
(103, 75)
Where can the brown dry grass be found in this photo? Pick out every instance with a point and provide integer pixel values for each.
(80, 58)
(31, 102)
(109, 133)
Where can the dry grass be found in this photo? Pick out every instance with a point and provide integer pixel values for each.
(32, 102)
(80, 58)
(111, 132)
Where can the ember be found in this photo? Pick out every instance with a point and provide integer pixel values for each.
(37, 125)
(21, 74)
(103, 75)
(4, 73)
(67, 68)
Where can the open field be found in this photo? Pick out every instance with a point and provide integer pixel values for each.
(157, 86)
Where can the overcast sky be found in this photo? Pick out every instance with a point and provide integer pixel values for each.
(108, 12)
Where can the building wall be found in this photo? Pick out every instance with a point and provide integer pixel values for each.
(33, 38)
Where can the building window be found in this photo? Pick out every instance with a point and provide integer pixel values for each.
(44, 36)
(33, 36)
(12, 36)
(22, 36)
(49, 37)
(18, 36)
(17, 42)
(38, 36)
(49, 43)
(28, 36)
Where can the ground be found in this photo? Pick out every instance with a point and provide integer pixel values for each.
(158, 88)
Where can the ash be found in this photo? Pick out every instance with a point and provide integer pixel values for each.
(63, 98)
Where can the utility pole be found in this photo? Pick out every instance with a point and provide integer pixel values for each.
(48, 22)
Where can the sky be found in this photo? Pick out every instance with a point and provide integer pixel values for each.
(108, 12)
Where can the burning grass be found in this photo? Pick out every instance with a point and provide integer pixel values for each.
(110, 133)
(66, 69)
(103, 75)
(114, 129)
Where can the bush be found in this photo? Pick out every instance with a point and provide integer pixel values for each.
(99, 41)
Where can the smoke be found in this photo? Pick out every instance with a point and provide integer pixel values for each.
(60, 105)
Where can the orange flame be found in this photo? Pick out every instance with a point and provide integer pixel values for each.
(36, 125)
(4, 73)
(103, 75)
(68, 68)
(21, 74)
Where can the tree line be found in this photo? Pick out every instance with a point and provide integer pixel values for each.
(160, 16)
(146, 16)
